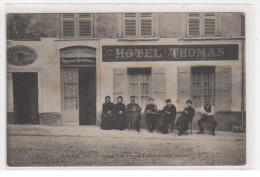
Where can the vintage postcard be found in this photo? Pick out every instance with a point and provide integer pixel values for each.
(126, 89)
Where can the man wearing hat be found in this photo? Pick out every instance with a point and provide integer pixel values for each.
(185, 118)
(151, 110)
(133, 114)
(168, 115)
(208, 116)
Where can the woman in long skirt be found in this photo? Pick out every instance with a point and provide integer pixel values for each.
(107, 115)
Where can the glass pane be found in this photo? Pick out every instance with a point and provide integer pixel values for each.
(70, 103)
(70, 76)
(145, 89)
(70, 90)
(133, 89)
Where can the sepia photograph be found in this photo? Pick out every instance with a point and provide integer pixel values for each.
(126, 89)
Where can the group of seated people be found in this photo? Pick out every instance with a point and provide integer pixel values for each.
(119, 116)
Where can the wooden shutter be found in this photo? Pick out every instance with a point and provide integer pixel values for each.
(130, 25)
(194, 24)
(68, 25)
(159, 85)
(184, 85)
(146, 24)
(209, 24)
(85, 25)
(223, 88)
(119, 83)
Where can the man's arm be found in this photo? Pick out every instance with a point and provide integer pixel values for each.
(212, 111)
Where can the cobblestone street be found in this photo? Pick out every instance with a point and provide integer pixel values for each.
(34, 145)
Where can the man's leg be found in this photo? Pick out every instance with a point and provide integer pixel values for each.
(172, 121)
(203, 119)
(213, 125)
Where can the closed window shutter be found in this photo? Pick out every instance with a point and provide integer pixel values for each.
(84, 28)
(223, 88)
(209, 27)
(184, 85)
(194, 24)
(130, 24)
(209, 24)
(130, 27)
(159, 86)
(68, 28)
(119, 82)
(85, 25)
(146, 24)
(194, 27)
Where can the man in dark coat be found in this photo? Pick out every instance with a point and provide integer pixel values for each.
(185, 118)
(107, 115)
(151, 115)
(133, 114)
(208, 116)
(119, 113)
(168, 115)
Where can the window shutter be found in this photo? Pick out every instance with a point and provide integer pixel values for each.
(223, 88)
(68, 28)
(194, 24)
(184, 85)
(68, 25)
(146, 24)
(85, 25)
(209, 24)
(159, 86)
(130, 24)
(194, 27)
(119, 83)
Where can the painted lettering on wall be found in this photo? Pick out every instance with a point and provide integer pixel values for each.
(170, 52)
(78, 61)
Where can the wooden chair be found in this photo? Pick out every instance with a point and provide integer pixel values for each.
(207, 125)
(190, 124)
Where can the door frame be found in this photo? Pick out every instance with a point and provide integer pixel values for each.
(40, 89)
(62, 92)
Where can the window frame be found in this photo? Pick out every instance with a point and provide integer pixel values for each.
(202, 81)
(77, 20)
(138, 17)
(202, 19)
(139, 85)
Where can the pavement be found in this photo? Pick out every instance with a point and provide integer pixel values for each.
(36, 145)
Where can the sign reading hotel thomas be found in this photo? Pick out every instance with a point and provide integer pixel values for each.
(170, 52)
(21, 55)
(78, 61)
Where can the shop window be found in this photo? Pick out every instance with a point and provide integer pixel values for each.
(138, 25)
(139, 84)
(77, 25)
(202, 24)
(202, 85)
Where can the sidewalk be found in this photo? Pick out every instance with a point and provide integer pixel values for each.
(36, 145)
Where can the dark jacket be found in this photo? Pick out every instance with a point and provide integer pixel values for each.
(190, 114)
(119, 107)
(171, 109)
(151, 107)
(131, 106)
(107, 107)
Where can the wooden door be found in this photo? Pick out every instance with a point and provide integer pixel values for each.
(25, 91)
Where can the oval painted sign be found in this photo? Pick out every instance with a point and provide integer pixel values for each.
(21, 55)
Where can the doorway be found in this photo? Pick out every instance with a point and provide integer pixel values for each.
(25, 95)
(87, 96)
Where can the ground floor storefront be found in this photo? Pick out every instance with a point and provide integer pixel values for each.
(34, 145)
(69, 80)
